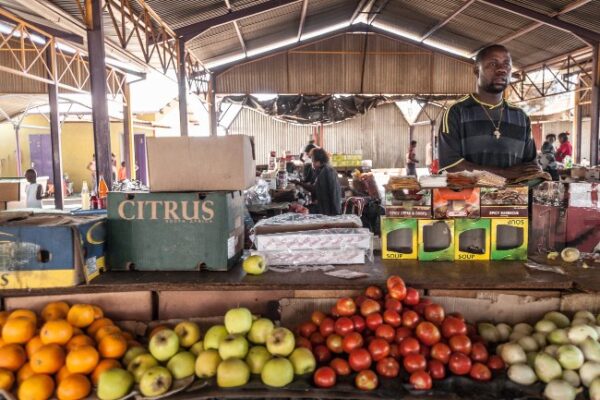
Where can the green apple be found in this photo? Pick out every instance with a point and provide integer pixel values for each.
(197, 348)
(238, 321)
(182, 365)
(260, 330)
(233, 346)
(303, 361)
(281, 342)
(213, 337)
(255, 265)
(232, 373)
(277, 372)
(164, 344)
(155, 382)
(114, 384)
(207, 363)
(141, 364)
(257, 358)
(132, 353)
(188, 332)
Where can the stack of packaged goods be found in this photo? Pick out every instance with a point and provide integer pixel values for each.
(301, 239)
(192, 218)
(346, 160)
(458, 216)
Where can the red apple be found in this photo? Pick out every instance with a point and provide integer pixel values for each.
(351, 341)
(346, 307)
(327, 327)
(374, 292)
(307, 328)
(412, 297)
(322, 354)
(379, 349)
(359, 323)
(434, 313)
(317, 317)
(366, 380)
(385, 332)
(410, 319)
(369, 306)
(388, 367)
(343, 326)
(359, 359)
(334, 343)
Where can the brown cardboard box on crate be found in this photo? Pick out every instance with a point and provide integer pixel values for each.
(10, 190)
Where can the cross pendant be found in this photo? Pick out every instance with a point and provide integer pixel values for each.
(497, 134)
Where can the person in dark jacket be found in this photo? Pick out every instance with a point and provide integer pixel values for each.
(326, 189)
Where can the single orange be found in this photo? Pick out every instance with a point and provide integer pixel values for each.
(98, 313)
(104, 365)
(24, 373)
(55, 310)
(23, 313)
(74, 387)
(97, 324)
(48, 359)
(3, 317)
(2, 342)
(81, 315)
(7, 380)
(57, 331)
(62, 373)
(80, 340)
(33, 345)
(82, 360)
(12, 357)
(18, 330)
(112, 346)
(37, 387)
(105, 331)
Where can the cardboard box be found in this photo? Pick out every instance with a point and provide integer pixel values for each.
(10, 190)
(436, 240)
(407, 204)
(50, 250)
(471, 239)
(175, 231)
(548, 229)
(179, 164)
(582, 228)
(450, 203)
(509, 202)
(509, 238)
(399, 238)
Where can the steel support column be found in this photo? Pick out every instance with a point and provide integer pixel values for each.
(55, 139)
(595, 123)
(100, 119)
(577, 124)
(182, 83)
(212, 105)
(127, 131)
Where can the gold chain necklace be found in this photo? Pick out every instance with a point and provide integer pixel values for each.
(497, 134)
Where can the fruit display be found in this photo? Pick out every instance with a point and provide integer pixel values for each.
(562, 353)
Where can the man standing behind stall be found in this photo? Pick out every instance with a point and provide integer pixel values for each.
(482, 131)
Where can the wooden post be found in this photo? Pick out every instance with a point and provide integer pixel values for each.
(212, 105)
(182, 84)
(57, 171)
(100, 119)
(127, 131)
(595, 124)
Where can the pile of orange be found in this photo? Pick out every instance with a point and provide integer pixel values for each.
(62, 352)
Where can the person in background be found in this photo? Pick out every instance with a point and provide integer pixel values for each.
(122, 172)
(309, 174)
(326, 190)
(33, 190)
(411, 161)
(113, 163)
(547, 159)
(311, 145)
(92, 168)
(565, 149)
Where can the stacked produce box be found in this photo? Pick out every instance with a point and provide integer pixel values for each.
(195, 205)
(435, 220)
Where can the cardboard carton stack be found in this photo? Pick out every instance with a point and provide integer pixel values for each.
(444, 224)
(192, 218)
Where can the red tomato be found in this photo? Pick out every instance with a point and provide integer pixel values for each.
(303, 342)
(420, 307)
(322, 354)
(412, 297)
(441, 352)
(434, 313)
(369, 306)
(410, 319)
(359, 300)
(453, 326)
(359, 323)
(402, 333)
(393, 305)
(479, 352)
(374, 292)
(379, 349)
(352, 341)
(414, 362)
(393, 280)
(343, 326)
(334, 312)
(324, 377)
(394, 350)
(459, 364)
(436, 369)
(345, 307)
(408, 346)
(428, 333)
(397, 291)
(495, 363)
(307, 328)
(327, 327)
(366, 380)
(340, 366)
(373, 321)
(392, 318)
(480, 372)
(359, 359)
(460, 343)
(317, 338)
(334, 343)
(385, 332)
(388, 367)
(317, 317)
(421, 380)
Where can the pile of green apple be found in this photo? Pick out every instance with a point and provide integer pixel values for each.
(245, 345)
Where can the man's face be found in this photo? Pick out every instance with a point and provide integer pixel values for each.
(493, 72)
(551, 139)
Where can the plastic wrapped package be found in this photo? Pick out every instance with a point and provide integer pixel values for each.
(314, 257)
(292, 222)
(258, 194)
(336, 238)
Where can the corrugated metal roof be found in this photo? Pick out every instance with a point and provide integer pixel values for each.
(545, 7)
(539, 43)
(15, 104)
(266, 23)
(177, 13)
(587, 16)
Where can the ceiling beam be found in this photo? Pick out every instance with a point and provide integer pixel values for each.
(586, 35)
(302, 19)
(450, 17)
(191, 31)
(51, 31)
(377, 12)
(359, 9)
(238, 32)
